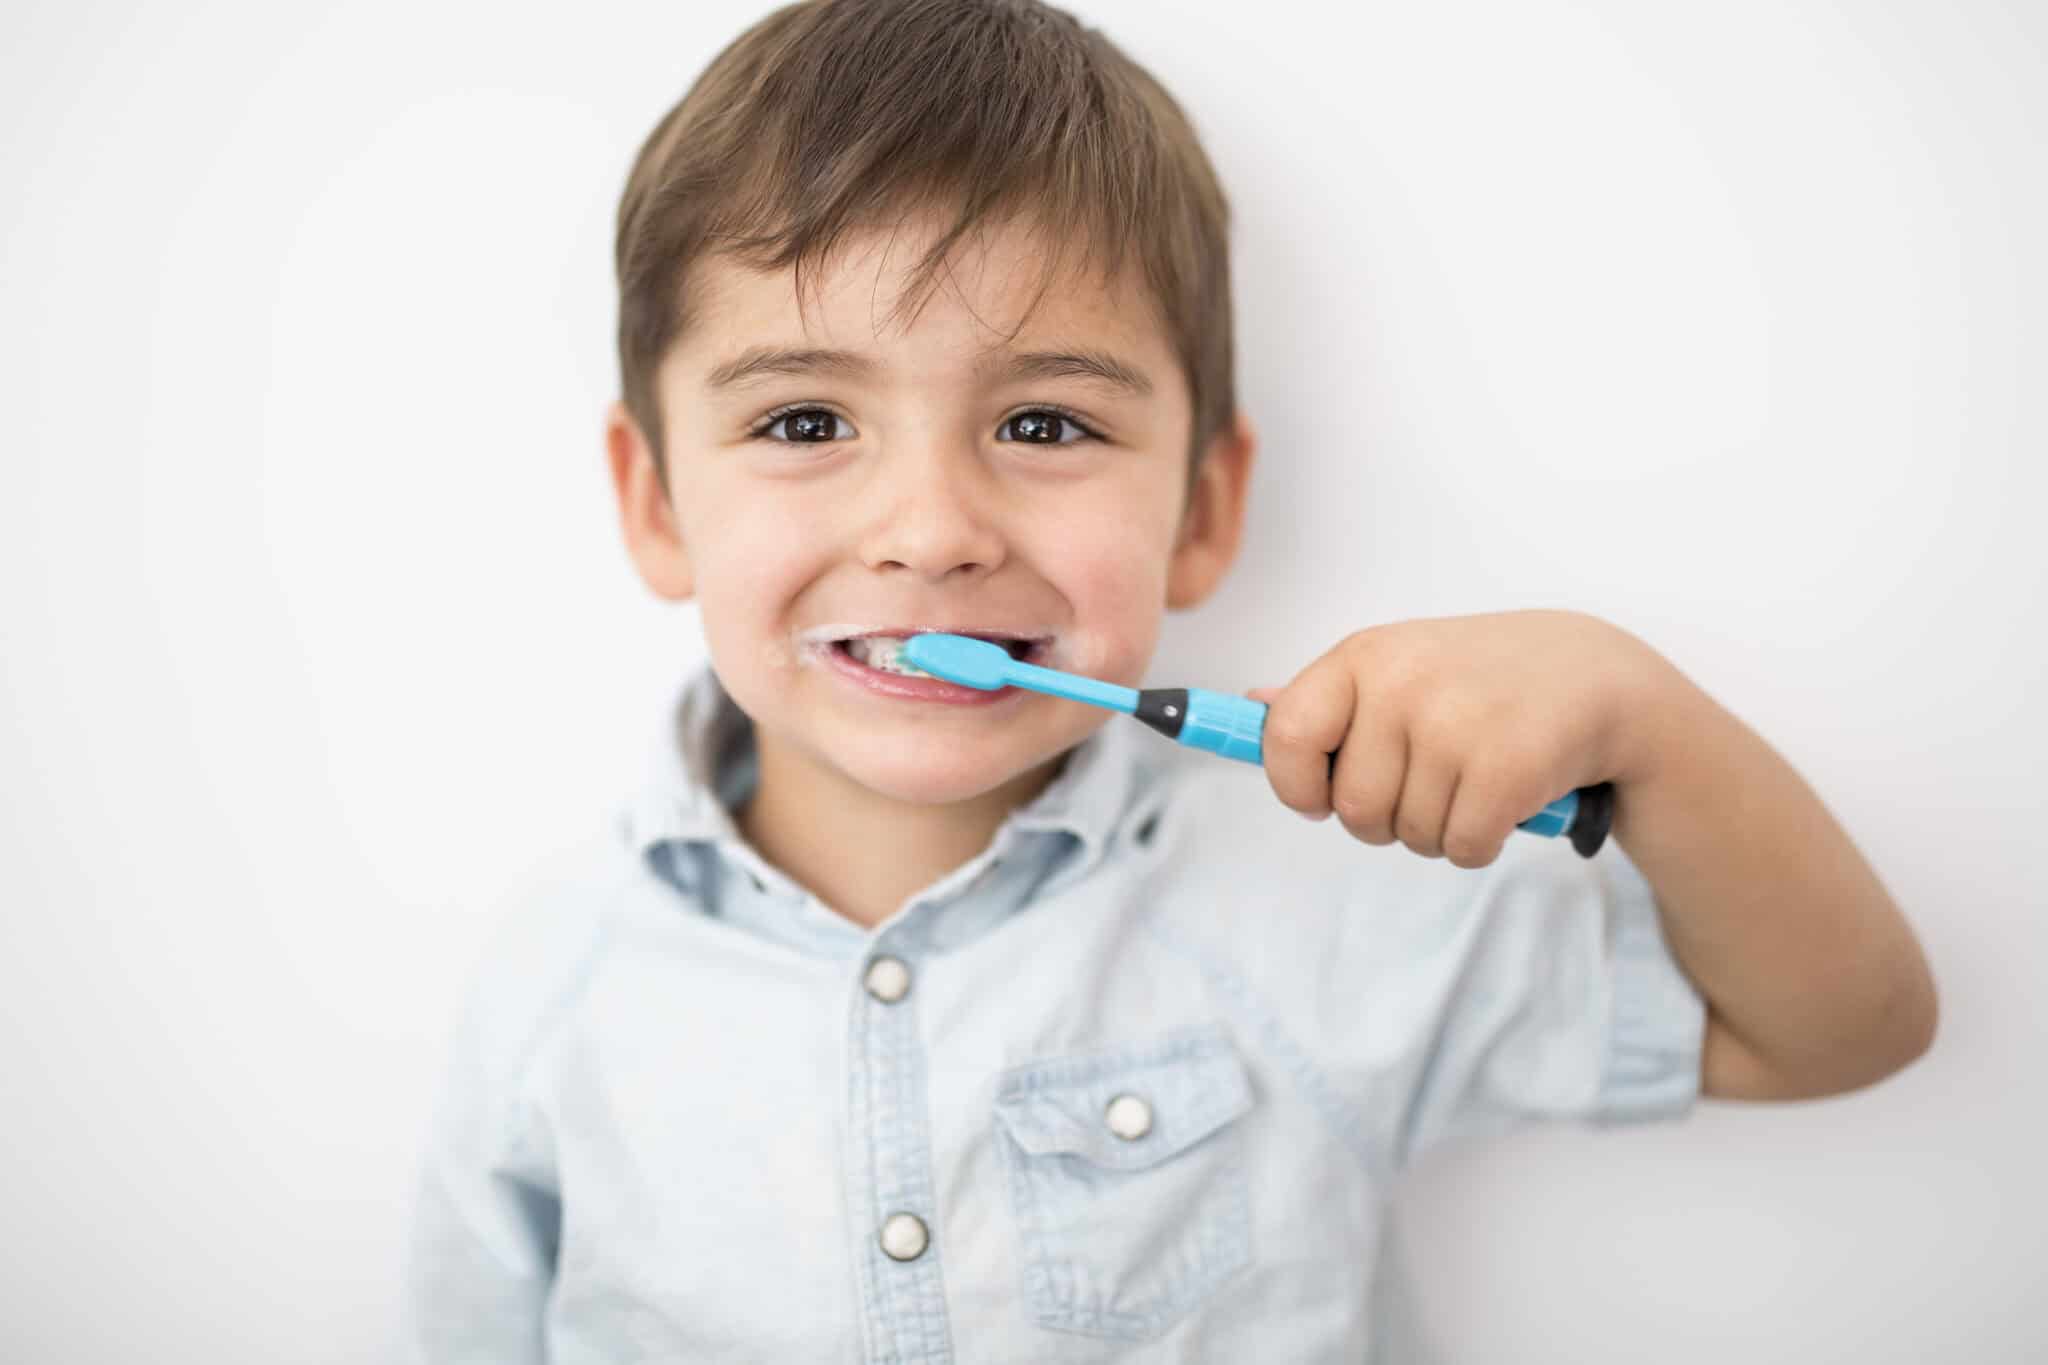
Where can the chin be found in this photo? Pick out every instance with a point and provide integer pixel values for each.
(939, 774)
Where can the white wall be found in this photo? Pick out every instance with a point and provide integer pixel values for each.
(1719, 321)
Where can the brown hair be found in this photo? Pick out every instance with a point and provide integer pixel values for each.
(836, 115)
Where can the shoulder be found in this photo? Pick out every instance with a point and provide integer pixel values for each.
(541, 944)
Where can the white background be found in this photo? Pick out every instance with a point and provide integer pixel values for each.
(1720, 321)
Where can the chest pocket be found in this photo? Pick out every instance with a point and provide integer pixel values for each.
(1127, 1180)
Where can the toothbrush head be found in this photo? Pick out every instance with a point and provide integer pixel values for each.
(959, 659)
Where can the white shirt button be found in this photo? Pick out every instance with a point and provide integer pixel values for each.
(1130, 1118)
(888, 980)
(904, 1237)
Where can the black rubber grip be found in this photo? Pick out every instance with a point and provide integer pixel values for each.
(1165, 709)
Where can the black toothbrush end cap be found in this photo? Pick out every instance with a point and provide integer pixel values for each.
(1595, 817)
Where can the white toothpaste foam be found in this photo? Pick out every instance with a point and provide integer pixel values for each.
(885, 654)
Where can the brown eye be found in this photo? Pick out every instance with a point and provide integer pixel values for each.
(809, 426)
(1042, 428)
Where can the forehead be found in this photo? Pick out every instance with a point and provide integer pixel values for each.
(992, 293)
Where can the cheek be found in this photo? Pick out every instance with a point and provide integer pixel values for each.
(1113, 581)
(1111, 569)
(1111, 550)
(751, 560)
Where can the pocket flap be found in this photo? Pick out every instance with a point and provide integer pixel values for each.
(1190, 1084)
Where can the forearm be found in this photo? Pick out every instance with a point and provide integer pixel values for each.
(1796, 946)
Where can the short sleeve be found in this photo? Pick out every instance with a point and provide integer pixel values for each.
(1542, 989)
(487, 1222)
(1656, 1019)
(481, 1250)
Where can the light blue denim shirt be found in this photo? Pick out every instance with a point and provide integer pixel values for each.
(1135, 1083)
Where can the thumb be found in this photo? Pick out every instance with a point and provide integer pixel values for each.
(1264, 694)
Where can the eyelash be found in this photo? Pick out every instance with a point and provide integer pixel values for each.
(768, 421)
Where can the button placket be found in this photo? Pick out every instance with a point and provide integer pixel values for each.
(889, 1166)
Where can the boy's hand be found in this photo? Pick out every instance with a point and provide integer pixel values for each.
(1448, 732)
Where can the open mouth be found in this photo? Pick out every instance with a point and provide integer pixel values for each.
(884, 653)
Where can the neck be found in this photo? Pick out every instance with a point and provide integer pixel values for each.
(872, 853)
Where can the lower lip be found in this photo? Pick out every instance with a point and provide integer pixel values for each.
(911, 689)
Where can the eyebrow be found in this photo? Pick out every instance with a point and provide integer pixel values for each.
(758, 362)
(1097, 365)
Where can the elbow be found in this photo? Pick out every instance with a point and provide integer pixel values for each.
(1871, 1034)
(1901, 1030)
(1915, 1013)
(1898, 1030)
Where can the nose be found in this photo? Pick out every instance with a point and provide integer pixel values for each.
(935, 517)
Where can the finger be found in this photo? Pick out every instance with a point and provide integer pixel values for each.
(1266, 695)
(1366, 781)
(1488, 803)
(1303, 725)
(1425, 801)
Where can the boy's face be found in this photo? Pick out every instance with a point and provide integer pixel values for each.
(931, 475)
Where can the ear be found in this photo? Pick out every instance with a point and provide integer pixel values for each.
(654, 539)
(1212, 523)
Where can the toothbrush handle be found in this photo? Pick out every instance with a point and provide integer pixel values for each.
(1230, 725)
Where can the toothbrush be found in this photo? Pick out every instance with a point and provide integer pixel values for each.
(1217, 721)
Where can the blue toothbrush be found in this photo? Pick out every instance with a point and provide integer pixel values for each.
(1217, 721)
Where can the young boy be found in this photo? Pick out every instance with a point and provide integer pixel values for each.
(897, 1022)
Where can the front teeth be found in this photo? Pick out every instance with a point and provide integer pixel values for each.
(883, 652)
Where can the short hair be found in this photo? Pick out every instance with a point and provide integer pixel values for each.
(837, 115)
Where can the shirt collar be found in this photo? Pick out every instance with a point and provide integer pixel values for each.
(702, 763)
